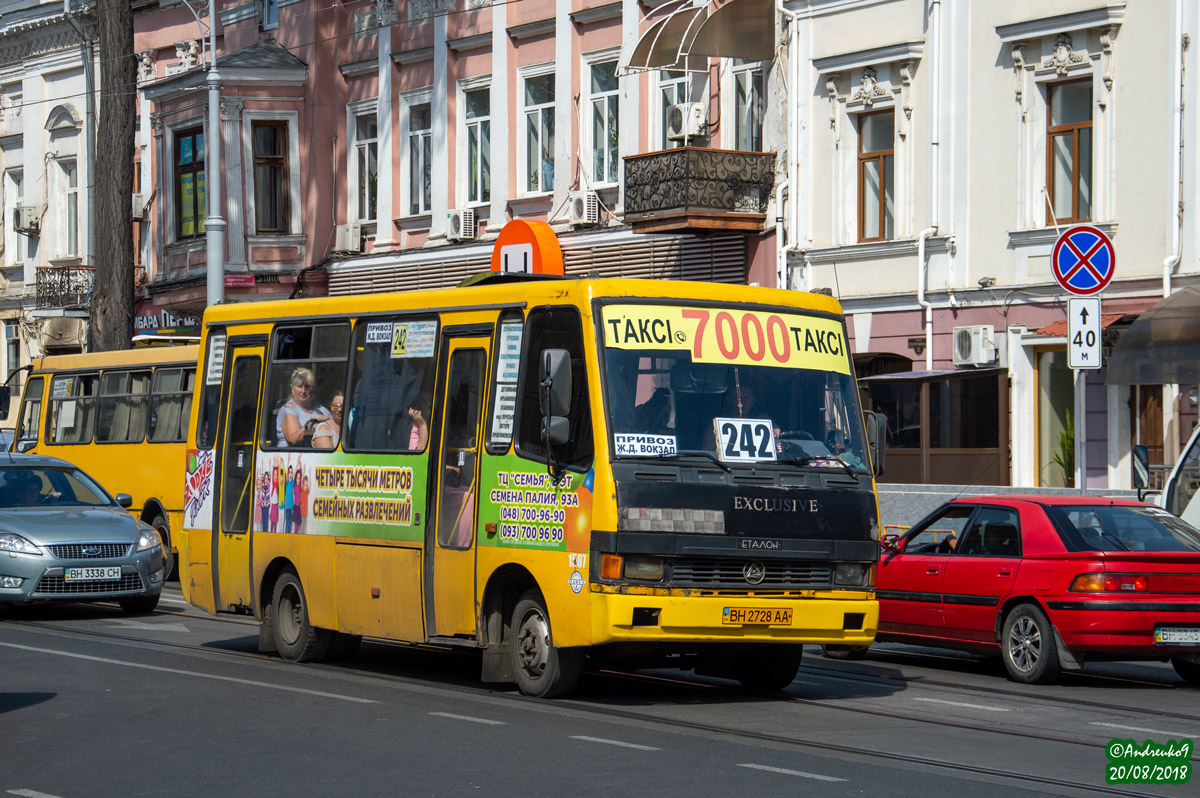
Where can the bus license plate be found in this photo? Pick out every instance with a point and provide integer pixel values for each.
(112, 573)
(1176, 634)
(765, 617)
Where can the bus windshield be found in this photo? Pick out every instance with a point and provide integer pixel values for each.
(739, 386)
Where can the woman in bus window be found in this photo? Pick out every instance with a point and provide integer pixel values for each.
(327, 433)
(300, 414)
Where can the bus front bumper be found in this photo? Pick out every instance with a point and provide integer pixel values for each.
(618, 617)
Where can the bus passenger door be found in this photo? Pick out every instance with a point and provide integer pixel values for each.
(235, 481)
(450, 537)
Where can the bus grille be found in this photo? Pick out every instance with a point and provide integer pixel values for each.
(56, 585)
(717, 572)
(74, 551)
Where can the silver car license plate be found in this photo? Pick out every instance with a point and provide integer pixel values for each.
(108, 573)
(1176, 634)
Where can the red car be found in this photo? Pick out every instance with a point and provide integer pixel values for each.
(1050, 581)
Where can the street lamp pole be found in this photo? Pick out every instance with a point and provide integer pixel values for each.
(215, 222)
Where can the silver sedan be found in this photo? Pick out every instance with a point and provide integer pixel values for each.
(64, 538)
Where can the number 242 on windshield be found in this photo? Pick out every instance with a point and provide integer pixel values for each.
(745, 440)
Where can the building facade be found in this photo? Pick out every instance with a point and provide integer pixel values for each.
(382, 146)
(47, 140)
(938, 151)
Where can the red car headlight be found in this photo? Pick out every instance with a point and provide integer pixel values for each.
(1110, 583)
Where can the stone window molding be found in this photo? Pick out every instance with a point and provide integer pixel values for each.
(1047, 50)
(877, 79)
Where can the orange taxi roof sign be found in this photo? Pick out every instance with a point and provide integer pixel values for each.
(527, 247)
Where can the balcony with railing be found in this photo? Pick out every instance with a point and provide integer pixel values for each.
(696, 188)
(64, 287)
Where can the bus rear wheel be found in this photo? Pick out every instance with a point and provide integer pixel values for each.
(296, 638)
(768, 667)
(542, 670)
(164, 534)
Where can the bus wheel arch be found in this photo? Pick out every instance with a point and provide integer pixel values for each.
(504, 589)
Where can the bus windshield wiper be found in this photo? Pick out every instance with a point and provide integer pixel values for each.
(808, 458)
(691, 452)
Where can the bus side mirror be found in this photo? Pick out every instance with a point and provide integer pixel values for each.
(1141, 470)
(555, 375)
(1141, 467)
(5, 399)
(555, 395)
(24, 445)
(876, 424)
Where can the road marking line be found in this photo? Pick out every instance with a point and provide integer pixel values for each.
(31, 794)
(179, 672)
(787, 772)
(962, 704)
(614, 742)
(1140, 729)
(452, 716)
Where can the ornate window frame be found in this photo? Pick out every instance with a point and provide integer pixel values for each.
(861, 82)
(1047, 51)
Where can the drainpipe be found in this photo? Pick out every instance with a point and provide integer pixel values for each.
(793, 167)
(935, 110)
(1172, 260)
(89, 75)
(922, 272)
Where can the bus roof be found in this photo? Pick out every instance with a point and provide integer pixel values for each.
(525, 292)
(138, 356)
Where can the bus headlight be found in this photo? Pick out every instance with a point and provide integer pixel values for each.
(850, 574)
(648, 569)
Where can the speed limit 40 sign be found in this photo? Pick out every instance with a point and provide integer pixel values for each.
(1083, 333)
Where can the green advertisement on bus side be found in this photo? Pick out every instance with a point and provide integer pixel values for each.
(530, 510)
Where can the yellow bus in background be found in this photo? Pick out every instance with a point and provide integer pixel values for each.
(546, 470)
(120, 416)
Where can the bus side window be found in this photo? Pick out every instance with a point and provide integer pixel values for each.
(307, 368)
(505, 378)
(72, 408)
(210, 399)
(31, 413)
(122, 407)
(171, 404)
(390, 403)
(555, 328)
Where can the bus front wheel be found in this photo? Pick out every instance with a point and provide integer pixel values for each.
(542, 670)
(296, 638)
(164, 534)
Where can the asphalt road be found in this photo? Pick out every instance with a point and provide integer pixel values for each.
(95, 703)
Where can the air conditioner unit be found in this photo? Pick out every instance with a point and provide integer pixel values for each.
(461, 226)
(139, 207)
(583, 208)
(27, 219)
(975, 345)
(348, 238)
(686, 121)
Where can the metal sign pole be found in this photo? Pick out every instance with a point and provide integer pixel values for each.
(1080, 430)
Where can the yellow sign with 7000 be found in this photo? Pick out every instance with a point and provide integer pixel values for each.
(718, 335)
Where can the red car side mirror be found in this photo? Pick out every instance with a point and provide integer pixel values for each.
(891, 542)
